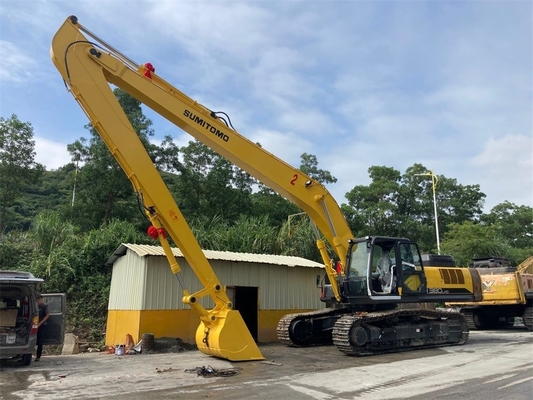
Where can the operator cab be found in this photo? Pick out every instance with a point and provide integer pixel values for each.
(382, 268)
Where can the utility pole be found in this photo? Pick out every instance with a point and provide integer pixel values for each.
(77, 159)
(434, 186)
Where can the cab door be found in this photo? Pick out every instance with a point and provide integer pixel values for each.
(412, 276)
(54, 332)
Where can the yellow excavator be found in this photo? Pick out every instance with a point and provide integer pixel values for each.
(507, 294)
(366, 280)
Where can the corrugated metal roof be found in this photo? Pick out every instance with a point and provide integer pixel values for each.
(144, 250)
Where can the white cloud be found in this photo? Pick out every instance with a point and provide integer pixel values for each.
(355, 83)
(17, 65)
(51, 154)
(206, 29)
(284, 145)
(504, 169)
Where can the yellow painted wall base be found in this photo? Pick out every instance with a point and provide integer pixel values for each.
(161, 323)
(119, 324)
(180, 324)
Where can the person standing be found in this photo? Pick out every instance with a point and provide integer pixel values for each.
(43, 316)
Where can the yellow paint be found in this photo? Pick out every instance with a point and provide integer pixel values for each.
(435, 279)
(119, 324)
(227, 336)
(499, 289)
(413, 282)
(162, 323)
(180, 324)
(169, 323)
(502, 287)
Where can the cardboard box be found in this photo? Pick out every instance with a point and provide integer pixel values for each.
(8, 317)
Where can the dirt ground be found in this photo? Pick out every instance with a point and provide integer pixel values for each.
(296, 373)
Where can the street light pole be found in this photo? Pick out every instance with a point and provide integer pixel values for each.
(77, 159)
(434, 185)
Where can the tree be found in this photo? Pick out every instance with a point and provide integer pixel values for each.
(93, 277)
(373, 208)
(16, 249)
(246, 235)
(456, 203)
(103, 190)
(166, 156)
(402, 205)
(55, 241)
(210, 185)
(17, 163)
(309, 166)
(297, 238)
(473, 240)
(515, 223)
(266, 202)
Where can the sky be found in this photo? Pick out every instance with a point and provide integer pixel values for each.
(447, 84)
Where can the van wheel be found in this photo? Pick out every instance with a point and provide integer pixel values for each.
(26, 359)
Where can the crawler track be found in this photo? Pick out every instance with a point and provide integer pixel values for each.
(379, 332)
(296, 329)
(528, 318)
(469, 317)
(398, 330)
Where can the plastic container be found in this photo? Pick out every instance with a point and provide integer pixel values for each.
(120, 349)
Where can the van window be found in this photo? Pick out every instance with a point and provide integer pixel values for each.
(54, 304)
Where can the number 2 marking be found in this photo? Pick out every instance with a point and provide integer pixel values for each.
(294, 178)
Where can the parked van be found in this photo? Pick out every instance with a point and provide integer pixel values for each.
(19, 315)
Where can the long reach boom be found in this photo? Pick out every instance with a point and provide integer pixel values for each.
(88, 66)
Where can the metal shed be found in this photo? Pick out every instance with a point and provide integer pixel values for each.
(145, 297)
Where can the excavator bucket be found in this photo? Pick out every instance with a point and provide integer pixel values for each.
(227, 337)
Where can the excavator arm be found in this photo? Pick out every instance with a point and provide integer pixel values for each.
(525, 266)
(87, 72)
(88, 67)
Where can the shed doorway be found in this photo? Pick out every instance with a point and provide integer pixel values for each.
(245, 300)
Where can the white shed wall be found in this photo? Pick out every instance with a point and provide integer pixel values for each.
(128, 280)
(147, 283)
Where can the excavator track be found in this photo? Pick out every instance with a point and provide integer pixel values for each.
(300, 330)
(398, 330)
(528, 318)
(379, 332)
(469, 317)
(478, 319)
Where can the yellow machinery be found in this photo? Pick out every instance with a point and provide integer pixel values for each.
(362, 289)
(507, 294)
(87, 72)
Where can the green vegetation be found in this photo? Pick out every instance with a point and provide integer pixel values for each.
(63, 225)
